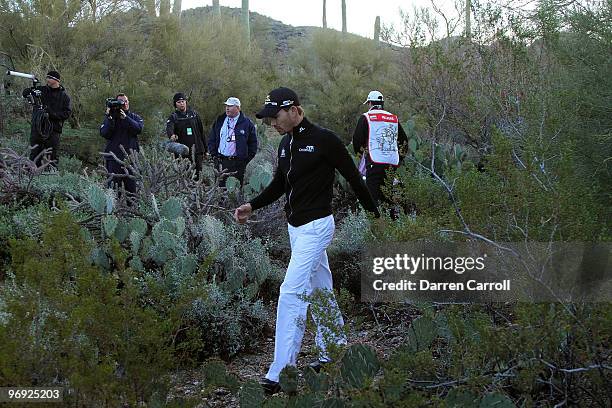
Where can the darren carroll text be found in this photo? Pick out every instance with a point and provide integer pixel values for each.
(424, 284)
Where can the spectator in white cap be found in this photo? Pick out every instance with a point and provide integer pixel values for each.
(232, 141)
(382, 143)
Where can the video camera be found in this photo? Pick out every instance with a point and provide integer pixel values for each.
(114, 103)
(31, 94)
(36, 93)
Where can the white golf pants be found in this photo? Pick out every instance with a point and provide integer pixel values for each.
(308, 270)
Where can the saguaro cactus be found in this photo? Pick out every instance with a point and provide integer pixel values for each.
(150, 7)
(377, 29)
(164, 8)
(468, 19)
(344, 16)
(245, 20)
(324, 13)
(176, 7)
(216, 8)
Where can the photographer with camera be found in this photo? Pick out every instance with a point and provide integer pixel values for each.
(52, 107)
(185, 127)
(120, 128)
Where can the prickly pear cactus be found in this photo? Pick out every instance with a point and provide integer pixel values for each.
(171, 209)
(232, 184)
(304, 401)
(461, 399)
(100, 259)
(260, 178)
(136, 264)
(496, 401)
(100, 200)
(358, 366)
(251, 395)
(135, 241)
(332, 403)
(138, 225)
(421, 333)
(122, 231)
(109, 224)
(289, 379)
(317, 382)
(275, 402)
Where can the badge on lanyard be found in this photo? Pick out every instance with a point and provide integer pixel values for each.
(189, 132)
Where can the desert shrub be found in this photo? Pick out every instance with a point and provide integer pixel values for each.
(69, 324)
(335, 71)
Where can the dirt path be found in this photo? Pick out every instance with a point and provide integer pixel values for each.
(384, 337)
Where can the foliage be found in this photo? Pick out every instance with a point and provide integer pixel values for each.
(79, 328)
(509, 136)
(337, 71)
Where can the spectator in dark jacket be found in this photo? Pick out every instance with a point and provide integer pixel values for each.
(121, 128)
(185, 127)
(232, 140)
(57, 105)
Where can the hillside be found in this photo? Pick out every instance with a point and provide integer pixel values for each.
(265, 29)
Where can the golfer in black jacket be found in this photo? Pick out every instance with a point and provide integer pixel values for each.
(308, 157)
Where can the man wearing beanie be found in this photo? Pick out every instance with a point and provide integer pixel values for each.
(308, 157)
(57, 108)
(185, 127)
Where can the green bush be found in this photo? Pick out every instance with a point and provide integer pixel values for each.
(68, 323)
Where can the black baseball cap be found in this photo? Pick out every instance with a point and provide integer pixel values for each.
(276, 100)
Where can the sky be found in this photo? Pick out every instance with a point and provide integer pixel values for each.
(361, 14)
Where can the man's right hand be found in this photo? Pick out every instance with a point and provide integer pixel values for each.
(243, 213)
(174, 138)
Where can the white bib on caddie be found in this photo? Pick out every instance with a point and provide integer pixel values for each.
(382, 137)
